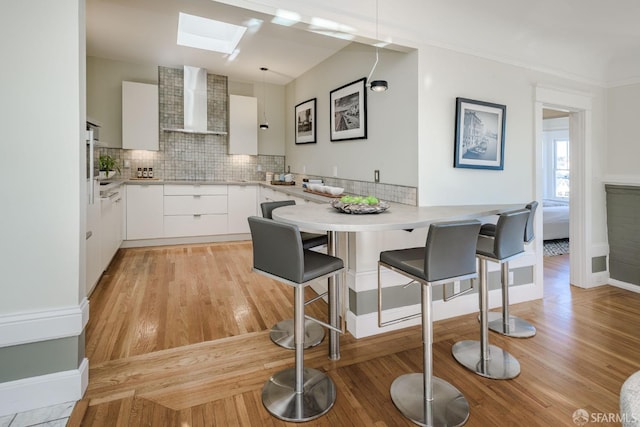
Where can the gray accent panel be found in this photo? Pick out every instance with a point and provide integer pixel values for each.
(367, 301)
(39, 358)
(623, 205)
(81, 347)
(599, 264)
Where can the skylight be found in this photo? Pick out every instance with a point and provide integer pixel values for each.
(208, 34)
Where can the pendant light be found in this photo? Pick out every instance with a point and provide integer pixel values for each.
(265, 124)
(376, 85)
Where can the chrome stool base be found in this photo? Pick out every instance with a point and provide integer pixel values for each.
(448, 407)
(516, 328)
(281, 400)
(499, 366)
(282, 334)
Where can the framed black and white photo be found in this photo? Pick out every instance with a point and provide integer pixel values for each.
(306, 122)
(348, 111)
(479, 142)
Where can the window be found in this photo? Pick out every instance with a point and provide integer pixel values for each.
(561, 181)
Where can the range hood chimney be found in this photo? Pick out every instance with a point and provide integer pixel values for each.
(195, 102)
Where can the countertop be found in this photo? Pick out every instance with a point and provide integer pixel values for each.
(397, 217)
(291, 190)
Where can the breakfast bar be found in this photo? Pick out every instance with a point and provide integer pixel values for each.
(398, 217)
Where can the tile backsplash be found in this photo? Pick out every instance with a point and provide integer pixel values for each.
(203, 157)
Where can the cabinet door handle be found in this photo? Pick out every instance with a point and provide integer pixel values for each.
(196, 196)
(197, 215)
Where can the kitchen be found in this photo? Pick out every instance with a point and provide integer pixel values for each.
(434, 77)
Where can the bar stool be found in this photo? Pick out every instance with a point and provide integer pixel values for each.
(282, 332)
(503, 323)
(487, 360)
(295, 394)
(448, 256)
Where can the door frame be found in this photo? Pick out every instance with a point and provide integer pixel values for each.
(579, 105)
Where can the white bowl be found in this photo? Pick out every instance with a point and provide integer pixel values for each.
(314, 187)
(335, 191)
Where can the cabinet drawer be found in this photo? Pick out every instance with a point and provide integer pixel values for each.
(194, 225)
(194, 189)
(192, 205)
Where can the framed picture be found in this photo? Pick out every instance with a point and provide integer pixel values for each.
(306, 122)
(479, 140)
(348, 111)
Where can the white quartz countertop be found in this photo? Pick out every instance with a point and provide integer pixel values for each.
(397, 217)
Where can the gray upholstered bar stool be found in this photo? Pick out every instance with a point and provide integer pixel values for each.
(503, 323)
(487, 360)
(448, 255)
(296, 394)
(282, 332)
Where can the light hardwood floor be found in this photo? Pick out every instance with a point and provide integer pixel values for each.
(178, 336)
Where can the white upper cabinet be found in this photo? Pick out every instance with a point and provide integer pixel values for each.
(140, 116)
(243, 125)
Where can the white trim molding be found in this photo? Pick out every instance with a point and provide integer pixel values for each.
(24, 328)
(45, 390)
(579, 104)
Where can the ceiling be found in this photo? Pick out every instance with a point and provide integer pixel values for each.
(586, 40)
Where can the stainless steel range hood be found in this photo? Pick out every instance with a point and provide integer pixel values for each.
(195, 102)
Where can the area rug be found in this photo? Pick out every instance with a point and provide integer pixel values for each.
(556, 247)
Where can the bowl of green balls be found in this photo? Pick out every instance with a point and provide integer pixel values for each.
(359, 205)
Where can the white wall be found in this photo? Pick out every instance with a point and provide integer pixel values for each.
(623, 141)
(392, 116)
(41, 155)
(271, 141)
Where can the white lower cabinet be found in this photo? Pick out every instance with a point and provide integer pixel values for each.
(195, 210)
(111, 214)
(156, 211)
(242, 204)
(145, 211)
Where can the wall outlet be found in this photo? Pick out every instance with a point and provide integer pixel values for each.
(127, 163)
(511, 278)
(259, 168)
(456, 286)
(376, 175)
(335, 171)
(304, 169)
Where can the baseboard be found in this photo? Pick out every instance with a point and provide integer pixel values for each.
(624, 285)
(142, 243)
(45, 390)
(24, 328)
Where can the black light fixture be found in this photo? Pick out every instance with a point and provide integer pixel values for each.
(265, 124)
(376, 85)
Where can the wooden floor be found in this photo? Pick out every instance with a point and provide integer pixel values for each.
(179, 337)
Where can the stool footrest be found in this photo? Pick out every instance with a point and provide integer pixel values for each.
(282, 334)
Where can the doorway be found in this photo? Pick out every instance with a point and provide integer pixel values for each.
(578, 107)
(556, 157)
